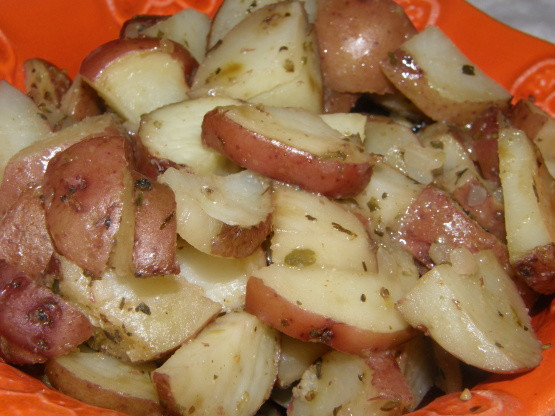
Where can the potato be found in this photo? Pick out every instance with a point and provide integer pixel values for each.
(226, 216)
(155, 228)
(289, 145)
(136, 76)
(88, 194)
(353, 37)
(21, 123)
(26, 168)
(137, 320)
(477, 316)
(81, 101)
(539, 127)
(46, 84)
(529, 200)
(350, 311)
(99, 380)
(187, 27)
(24, 239)
(270, 57)
(342, 384)
(234, 376)
(173, 133)
(134, 26)
(438, 79)
(36, 324)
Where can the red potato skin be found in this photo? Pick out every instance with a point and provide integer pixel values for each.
(155, 228)
(81, 101)
(165, 395)
(26, 171)
(96, 61)
(133, 27)
(433, 216)
(83, 187)
(388, 378)
(39, 72)
(93, 394)
(353, 37)
(538, 269)
(304, 325)
(24, 239)
(36, 324)
(238, 242)
(273, 159)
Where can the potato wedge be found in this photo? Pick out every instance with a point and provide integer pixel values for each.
(137, 320)
(431, 71)
(234, 376)
(479, 317)
(99, 380)
(36, 324)
(88, 193)
(289, 145)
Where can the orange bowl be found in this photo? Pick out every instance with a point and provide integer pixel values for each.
(64, 31)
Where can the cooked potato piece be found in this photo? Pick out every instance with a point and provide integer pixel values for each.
(36, 324)
(342, 384)
(136, 76)
(310, 229)
(26, 168)
(21, 123)
(88, 193)
(348, 124)
(81, 100)
(137, 320)
(350, 311)
(99, 380)
(173, 132)
(155, 228)
(440, 80)
(187, 27)
(353, 37)
(226, 216)
(477, 316)
(289, 145)
(529, 199)
(295, 358)
(229, 368)
(24, 239)
(270, 57)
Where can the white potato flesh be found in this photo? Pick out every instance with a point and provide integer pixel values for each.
(480, 318)
(229, 368)
(224, 280)
(348, 124)
(339, 385)
(387, 196)
(101, 380)
(402, 149)
(311, 229)
(527, 226)
(173, 132)
(299, 129)
(242, 198)
(443, 64)
(21, 123)
(140, 82)
(295, 358)
(264, 51)
(144, 318)
(359, 299)
(189, 27)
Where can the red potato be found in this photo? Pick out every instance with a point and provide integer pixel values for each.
(155, 228)
(280, 297)
(136, 76)
(36, 324)
(289, 145)
(440, 80)
(100, 380)
(81, 100)
(88, 201)
(353, 37)
(46, 84)
(133, 27)
(26, 168)
(24, 239)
